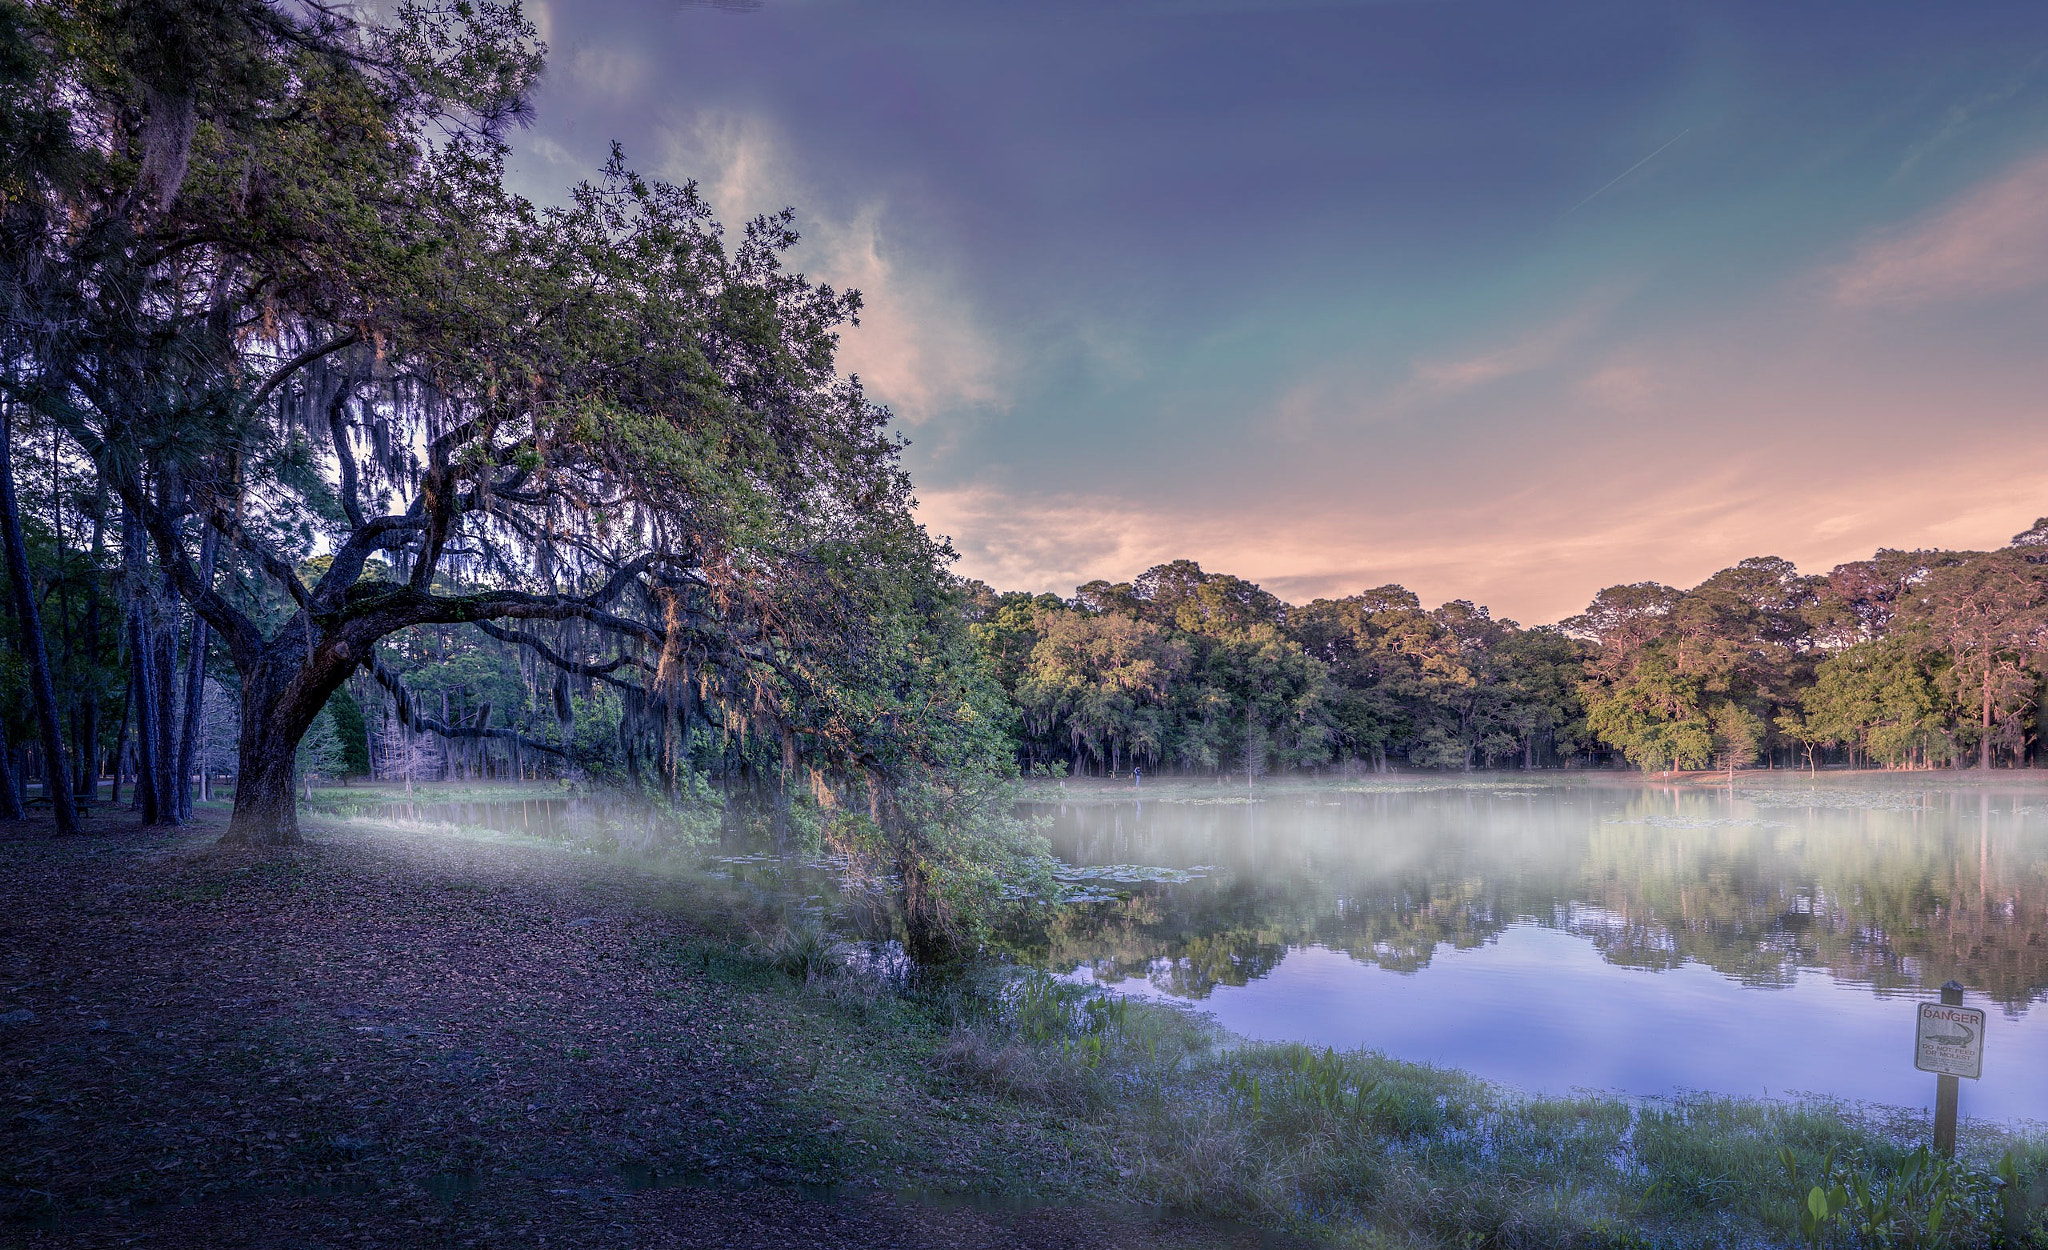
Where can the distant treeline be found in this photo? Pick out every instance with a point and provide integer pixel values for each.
(1910, 659)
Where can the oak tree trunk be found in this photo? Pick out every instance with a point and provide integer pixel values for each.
(282, 693)
(266, 803)
(927, 939)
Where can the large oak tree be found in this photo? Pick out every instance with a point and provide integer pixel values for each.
(263, 269)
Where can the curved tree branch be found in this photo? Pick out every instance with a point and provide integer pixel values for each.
(414, 719)
(284, 371)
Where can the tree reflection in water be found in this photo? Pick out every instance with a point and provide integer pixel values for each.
(1898, 883)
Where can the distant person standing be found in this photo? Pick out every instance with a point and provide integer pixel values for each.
(1137, 775)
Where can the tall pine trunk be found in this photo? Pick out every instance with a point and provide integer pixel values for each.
(10, 798)
(163, 621)
(153, 650)
(150, 759)
(142, 680)
(58, 785)
(1984, 743)
(90, 747)
(87, 766)
(121, 741)
(195, 683)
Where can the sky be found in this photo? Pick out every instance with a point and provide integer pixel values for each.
(1501, 301)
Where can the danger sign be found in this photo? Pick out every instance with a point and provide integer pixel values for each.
(1950, 1040)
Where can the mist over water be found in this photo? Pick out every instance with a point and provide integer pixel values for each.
(1765, 937)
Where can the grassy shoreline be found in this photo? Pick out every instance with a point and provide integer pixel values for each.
(1374, 1151)
(508, 1010)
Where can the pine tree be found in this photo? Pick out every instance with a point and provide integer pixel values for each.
(353, 733)
(320, 751)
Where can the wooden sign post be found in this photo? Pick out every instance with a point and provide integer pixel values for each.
(1949, 1042)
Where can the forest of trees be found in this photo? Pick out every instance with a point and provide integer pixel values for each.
(1910, 659)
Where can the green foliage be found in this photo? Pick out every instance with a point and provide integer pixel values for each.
(1653, 715)
(1204, 672)
(1880, 1195)
(351, 732)
(1043, 1009)
(1904, 660)
(1738, 733)
(608, 421)
(82, 613)
(320, 750)
(1881, 700)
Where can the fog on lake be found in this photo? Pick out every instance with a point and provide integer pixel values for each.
(1764, 937)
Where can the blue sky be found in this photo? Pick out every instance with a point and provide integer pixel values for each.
(1501, 301)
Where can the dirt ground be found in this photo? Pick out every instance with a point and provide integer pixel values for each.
(384, 1039)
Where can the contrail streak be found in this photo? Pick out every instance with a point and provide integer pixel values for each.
(1631, 169)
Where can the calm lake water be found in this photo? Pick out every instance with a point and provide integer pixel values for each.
(1764, 938)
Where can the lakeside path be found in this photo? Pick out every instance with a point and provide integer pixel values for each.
(388, 1038)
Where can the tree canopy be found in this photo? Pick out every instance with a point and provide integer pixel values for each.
(1906, 659)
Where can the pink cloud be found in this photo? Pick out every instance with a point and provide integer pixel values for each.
(1536, 349)
(1623, 386)
(1617, 456)
(1537, 554)
(919, 347)
(1991, 240)
(1531, 352)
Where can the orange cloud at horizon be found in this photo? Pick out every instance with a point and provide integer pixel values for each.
(1534, 564)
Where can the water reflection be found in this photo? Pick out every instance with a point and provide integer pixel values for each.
(1803, 905)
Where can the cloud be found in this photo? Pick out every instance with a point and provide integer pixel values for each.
(1960, 116)
(614, 74)
(1535, 350)
(914, 347)
(734, 160)
(1664, 452)
(1512, 539)
(1991, 240)
(1031, 541)
(919, 346)
(543, 15)
(1304, 409)
(550, 151)
(1624, 386)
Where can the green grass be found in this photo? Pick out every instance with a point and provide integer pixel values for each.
(857, 1057)
(365, 797)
